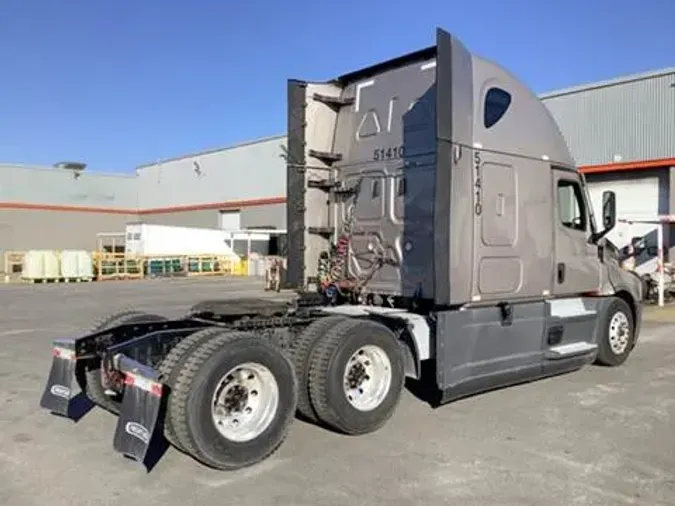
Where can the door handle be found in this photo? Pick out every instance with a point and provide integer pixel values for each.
(561, 272)
(500, 204)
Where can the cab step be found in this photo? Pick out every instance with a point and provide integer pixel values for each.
(570, 350)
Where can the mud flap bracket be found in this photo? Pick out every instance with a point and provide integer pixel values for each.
(142, 405)
(58, 394)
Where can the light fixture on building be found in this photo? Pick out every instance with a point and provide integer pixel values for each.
(617, 158)
(284, 152)
(198, 168)
(75, 167)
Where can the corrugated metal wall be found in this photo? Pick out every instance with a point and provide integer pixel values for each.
(36, 207)
(618, 122)
(273, 216)
(55, 186)
(267, 216)
(24, 229)
(246, 172)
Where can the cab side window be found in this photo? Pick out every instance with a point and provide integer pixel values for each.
(571, 207)
(497, 102)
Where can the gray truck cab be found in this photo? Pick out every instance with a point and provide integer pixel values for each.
(439, 184)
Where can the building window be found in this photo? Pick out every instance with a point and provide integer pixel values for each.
(497, 102)
(571, 208)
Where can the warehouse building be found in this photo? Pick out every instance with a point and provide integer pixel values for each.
(65, 207)
(236, 188)
(621, 132)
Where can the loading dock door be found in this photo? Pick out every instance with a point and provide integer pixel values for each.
(229, 220)
(635, 197)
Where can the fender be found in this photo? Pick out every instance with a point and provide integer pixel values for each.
(416, 338)
(628, 286)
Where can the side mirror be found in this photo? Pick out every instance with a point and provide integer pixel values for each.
(608, 210)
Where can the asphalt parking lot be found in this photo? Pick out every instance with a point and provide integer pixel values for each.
(597, 436)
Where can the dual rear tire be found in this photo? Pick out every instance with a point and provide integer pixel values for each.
(232, 398)
(233, 395)
(350, 373)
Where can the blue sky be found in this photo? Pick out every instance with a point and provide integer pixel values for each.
(119, 83)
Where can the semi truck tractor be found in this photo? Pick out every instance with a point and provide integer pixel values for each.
(436, 222)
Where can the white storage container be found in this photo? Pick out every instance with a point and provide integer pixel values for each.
(52, 265)
(69, 264)
(33, 265)
(85, 264)
(76, 264)
(41, 264)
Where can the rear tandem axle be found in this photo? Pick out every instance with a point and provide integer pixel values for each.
(229, 373)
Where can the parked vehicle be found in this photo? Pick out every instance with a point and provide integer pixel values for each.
(434, 215)
(628, 257)
(651, 280)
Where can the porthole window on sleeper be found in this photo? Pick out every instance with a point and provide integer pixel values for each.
(497, 102)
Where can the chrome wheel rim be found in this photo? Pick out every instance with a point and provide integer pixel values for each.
(619, 333)
(245, 402)
(367, 378)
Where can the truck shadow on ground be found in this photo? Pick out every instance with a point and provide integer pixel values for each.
(425, 389)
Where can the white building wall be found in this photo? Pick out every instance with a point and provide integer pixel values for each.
(246, 173)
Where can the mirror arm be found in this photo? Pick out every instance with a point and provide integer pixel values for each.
(595, 237)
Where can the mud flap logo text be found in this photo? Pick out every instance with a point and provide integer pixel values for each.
(138, 431)
(60, 391)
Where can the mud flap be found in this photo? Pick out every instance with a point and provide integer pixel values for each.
(58, 395)
(142, 405)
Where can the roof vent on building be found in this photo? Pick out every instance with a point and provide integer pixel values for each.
(75, 167)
